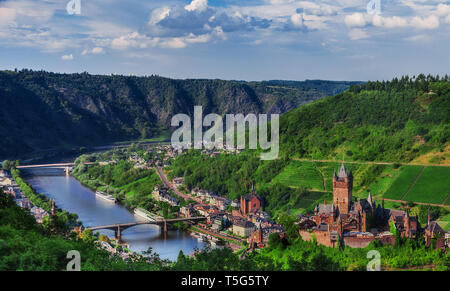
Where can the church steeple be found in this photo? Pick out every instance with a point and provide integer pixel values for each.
(369, 199)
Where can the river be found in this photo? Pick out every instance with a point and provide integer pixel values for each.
(71, 195)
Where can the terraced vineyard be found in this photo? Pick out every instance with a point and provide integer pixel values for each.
(404, 181)
(433, 186)
(425, 184)
(300, 174)
(312, 198)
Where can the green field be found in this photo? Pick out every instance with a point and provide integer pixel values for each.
(433, 186)
(312, 198)
(403, 182)
(300, 174)
(327, 169)
(383, 182)
(444, 222)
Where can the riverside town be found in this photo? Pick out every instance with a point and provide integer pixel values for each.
(209, 144)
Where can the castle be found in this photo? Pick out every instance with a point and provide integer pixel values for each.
(354, 222)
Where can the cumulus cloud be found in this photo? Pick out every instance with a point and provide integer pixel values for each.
(430, 22)
(197, 5)
(357, 33)
(198, 18)
(355, 20)
(67, 57)
(133, 40)
(94, 51)
(389, 22)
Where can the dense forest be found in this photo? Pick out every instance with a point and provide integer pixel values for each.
(393, 121)
(41, 110)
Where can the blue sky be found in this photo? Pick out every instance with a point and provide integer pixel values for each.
(234, 39)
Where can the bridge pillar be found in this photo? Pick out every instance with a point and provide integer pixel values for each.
(66, 169)
(117, 234)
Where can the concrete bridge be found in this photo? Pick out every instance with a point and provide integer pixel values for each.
(68, 167)
(118, 228)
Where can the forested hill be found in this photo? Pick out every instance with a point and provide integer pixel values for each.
(40, 110)
(401, 120)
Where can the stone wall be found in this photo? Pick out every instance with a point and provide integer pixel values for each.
(322, 237)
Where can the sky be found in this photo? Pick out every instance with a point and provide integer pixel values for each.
(228, 39)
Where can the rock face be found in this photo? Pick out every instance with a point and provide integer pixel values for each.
(41, 110)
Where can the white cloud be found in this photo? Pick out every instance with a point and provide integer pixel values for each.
(7, 15)
(297, 20)
(443, 10)
(174, 43)
(133, 40)
(357, 33)
(389, 22)
(67, 57)
(355, 20)
(430, 22)
(197, 5)
(94, 51)
(159, 14)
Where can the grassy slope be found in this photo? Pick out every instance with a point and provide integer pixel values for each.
(392, 122)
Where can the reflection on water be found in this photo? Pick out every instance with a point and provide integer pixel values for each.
(70, 195)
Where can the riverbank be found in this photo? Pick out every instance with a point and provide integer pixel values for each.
(61, 218)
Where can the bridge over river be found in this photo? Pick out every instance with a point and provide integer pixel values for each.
(118, 228)
(66, 166)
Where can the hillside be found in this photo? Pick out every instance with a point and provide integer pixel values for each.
(396, 121)
(404, 124)
(41, 110)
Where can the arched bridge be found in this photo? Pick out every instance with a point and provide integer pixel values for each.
(118, 228)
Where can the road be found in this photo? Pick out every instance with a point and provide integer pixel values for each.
(166, 182)
(369, 163)
(420, 203)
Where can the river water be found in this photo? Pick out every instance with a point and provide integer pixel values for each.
(71, 195)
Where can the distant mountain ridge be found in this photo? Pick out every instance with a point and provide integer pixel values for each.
(40, 110)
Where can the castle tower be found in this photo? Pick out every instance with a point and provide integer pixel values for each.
(342, 189)
(407, 224)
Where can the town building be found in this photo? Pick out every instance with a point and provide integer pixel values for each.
(162, 194)
(243, 227)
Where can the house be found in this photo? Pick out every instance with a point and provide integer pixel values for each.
(222, 202)
(178, 181)
(243, 227)
(434, 231)
(217, 224)
(188, 211)
(5, 181)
